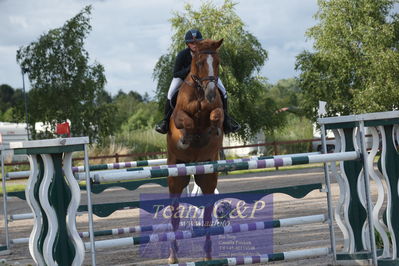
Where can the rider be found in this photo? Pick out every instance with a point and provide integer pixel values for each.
(180, 71)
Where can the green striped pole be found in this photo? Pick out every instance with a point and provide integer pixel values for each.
(216, 230)
(213, 168)
(120, 165)
(144, 165)
(81, 176)
(288, 255)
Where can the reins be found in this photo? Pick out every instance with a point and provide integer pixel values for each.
(198, 89)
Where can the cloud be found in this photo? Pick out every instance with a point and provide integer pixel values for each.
(128, 37)
(280, 26)
(18, 21)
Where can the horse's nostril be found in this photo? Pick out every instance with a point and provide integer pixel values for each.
(210, 95)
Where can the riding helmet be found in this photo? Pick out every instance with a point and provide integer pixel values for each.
(193, 35)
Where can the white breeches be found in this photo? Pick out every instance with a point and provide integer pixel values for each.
(176, 82)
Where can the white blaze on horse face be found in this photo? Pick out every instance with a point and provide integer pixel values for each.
(211, 72)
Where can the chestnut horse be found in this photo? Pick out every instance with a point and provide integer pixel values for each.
(196, 129)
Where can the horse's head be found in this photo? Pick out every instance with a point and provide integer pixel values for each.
(205, 67)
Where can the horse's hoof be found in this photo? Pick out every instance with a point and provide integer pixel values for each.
(173, 260)
(208, 258)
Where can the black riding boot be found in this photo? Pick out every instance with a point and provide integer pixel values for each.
(229, 124)
(163, 126)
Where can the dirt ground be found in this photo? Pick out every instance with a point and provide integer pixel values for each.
(284, 239)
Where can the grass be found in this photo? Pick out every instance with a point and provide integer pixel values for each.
(13, 188)
(142, 141)
(137, 141)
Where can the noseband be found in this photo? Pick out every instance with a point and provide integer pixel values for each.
(199, 80)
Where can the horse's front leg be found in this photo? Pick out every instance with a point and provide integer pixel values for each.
(186, 124)
(176, 185)
(216, 117)
(208, 184)
(183, 120)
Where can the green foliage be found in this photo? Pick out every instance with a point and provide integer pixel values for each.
(355, 65)
(287, 94)
(6, 97)
(133, 95)
(64, 85)
(296, 128)
(11, 104)
(18, 108)
(135, 118)
(133, 112)
(163, 72)
(242, 56)
(142, 141)
(143, 117)
(8, 115)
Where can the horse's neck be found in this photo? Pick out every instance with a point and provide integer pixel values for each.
(189, 91)
(189, 83)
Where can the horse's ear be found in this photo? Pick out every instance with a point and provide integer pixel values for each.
(218, 43)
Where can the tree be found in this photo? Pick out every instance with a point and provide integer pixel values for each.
(242, 57)
(142, 118)
(6, 97)
(286, 93)
(355, 63)
(126, 105)
(11, 104)
(131, 94)
(63, 84)
(134, 111)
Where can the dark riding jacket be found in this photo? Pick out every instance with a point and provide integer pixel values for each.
(182, 64)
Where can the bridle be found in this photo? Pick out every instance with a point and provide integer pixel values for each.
(198, 82)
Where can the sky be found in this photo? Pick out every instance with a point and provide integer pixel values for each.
(129, 36)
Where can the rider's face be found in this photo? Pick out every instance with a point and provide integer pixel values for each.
(192, 46)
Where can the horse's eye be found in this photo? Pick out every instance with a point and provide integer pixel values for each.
(200, 63)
